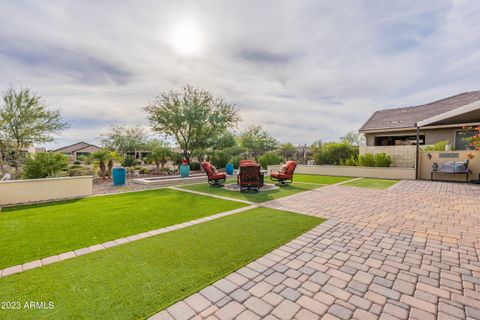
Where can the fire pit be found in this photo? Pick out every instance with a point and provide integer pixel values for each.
(236, 187)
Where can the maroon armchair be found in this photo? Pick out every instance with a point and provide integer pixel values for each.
(214, 178)
(249, 176)
(285, 175)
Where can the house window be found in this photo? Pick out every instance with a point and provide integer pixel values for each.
(399, 140)
(460, 139)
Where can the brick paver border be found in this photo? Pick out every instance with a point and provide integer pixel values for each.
(113, 243)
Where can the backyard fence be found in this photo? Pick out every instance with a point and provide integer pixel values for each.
(37, 190)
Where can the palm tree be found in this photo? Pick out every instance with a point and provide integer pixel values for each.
(105, 157)
(159, 154)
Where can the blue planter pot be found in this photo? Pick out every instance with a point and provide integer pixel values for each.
(229, 169)
(118, 176)
(184, 170)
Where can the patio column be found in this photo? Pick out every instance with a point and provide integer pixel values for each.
(417, 155)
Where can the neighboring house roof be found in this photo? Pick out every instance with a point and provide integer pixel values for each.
(75, 147)
(407, 117)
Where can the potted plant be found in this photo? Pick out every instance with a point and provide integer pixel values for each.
(184, 169)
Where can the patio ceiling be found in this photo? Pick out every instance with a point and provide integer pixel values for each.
(468, 114)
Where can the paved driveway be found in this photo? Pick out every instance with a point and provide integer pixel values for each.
(407, 252)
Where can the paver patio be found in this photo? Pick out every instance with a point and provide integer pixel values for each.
(408, 252)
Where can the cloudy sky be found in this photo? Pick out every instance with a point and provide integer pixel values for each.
(305, 70)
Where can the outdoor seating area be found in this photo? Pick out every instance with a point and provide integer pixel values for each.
(452, 168)
(215, 178)
(285, 174)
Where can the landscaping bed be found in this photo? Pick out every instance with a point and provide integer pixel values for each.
(138, 279)
(38, 231)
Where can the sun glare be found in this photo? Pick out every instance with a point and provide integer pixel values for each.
(186, 39)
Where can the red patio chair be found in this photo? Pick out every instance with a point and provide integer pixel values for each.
(214, 178)
(285, 174)
(249, 176)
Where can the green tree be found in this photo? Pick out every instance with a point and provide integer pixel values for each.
(159, 154)
(269, 158)
(288, 151)
(192, 116)
(352, 138)
(124, 138)
(26, 120)
(334, 153)
(257, 141)
(46, 164)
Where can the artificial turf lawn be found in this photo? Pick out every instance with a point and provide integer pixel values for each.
(262, 196)
(372, 183)
(312, 178)
(37, 231)
(138, 279)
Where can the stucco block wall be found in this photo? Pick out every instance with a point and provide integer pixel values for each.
(36, 190)
(426, 164)
(347, 171)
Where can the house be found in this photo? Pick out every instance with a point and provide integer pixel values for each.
(74, 151)
(394, 131)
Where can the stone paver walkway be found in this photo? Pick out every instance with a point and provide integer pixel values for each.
(409, 252)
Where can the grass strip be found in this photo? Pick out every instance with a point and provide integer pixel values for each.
(138, 279)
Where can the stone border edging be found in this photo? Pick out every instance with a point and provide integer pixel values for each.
(113, 243)
(212, 195)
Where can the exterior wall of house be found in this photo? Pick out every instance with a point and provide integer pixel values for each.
(426, 164)
(37, 190)
(404, 156)
(432, 136)
(86, 150)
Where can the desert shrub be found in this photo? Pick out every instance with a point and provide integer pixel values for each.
(219, 158)
(77, 162)
(374, 160)
(144, 170)
(138, 162)
(366, 160)
(147, 160)
(235, 161)
(334, 153)
(128, 161)
(42, 165)
(269, 158)
(194, 165)
(81, 171)
(439, 146)
(382, 160)
(353, 161)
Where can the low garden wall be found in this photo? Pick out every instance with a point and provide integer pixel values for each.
(348, 171)
(427, 158)
(37, 190)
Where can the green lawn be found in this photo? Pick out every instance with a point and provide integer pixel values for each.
(372, 183)
(138, 279)
(312, 178)
(263, 196)
(37, 231)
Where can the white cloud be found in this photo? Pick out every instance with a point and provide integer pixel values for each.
(303, 69)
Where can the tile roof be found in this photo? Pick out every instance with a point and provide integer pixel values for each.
(407, 117)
